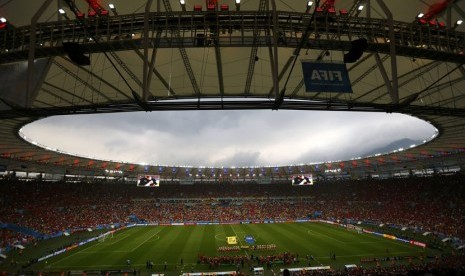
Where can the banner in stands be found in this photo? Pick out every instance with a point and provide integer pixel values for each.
(326, 77)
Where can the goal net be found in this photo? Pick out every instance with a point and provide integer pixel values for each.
(105, 236)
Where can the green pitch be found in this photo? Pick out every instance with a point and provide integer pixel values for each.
(170, 244)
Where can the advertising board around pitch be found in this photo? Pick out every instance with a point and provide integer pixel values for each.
(326, 77)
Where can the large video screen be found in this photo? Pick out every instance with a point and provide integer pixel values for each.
(148, 180)
(300, 180)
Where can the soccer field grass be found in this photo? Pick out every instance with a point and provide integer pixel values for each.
(170, 244)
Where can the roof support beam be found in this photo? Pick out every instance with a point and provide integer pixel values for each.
(182, 51)
(157, 73)
(297, 88)
(125, 68)
(253, 52)
(31, 92)
(100, 79)
(56, 96)
(458, 9)
(83, 82)
(219, 67)
(385, 76)
(67, 92)
(303, 41)
(392, 47)
(448, 84)
(371, 69)
(413, 74)
(274, 53)
(146, 70)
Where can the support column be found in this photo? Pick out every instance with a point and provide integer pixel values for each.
(274, 55)
(146, 71)
(32, 47)
(392, 46)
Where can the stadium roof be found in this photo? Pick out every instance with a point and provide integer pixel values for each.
(159, 56)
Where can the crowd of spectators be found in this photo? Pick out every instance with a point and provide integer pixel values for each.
(435, 204)
(447, 265)
(260, 261)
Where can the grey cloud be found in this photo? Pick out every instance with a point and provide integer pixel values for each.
(226, 138)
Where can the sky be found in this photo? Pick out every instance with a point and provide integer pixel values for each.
(226, 138)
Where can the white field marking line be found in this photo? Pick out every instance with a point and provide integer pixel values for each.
(109, 243)
(217, 236)
(323, 235)
(107, 251)
(235, 233)
(118, 239)
(71, 254)
(154, 240)
(156, 233)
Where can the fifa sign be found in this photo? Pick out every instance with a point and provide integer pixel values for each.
(326, 77)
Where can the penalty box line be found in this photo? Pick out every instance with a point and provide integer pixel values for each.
(146, 240)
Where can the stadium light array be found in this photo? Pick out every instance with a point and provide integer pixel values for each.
(3, 24)
(309, 6)
(112, 8)
(62, 12)
(183, 4)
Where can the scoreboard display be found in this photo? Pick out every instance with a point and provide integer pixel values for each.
(148, 180)
(302, 180)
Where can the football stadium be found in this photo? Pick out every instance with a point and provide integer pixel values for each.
(398, 209)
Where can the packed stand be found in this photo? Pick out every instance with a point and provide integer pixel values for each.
(435, 204)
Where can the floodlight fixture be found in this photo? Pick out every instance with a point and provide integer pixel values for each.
(238, 5)
(309, 6)
(360, 7)
(62, 12)
(113, 8)
(3, 24)
(457, 23)
(420, 15)
(183, 4)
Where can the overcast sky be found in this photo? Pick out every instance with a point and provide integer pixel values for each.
(226, 138)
